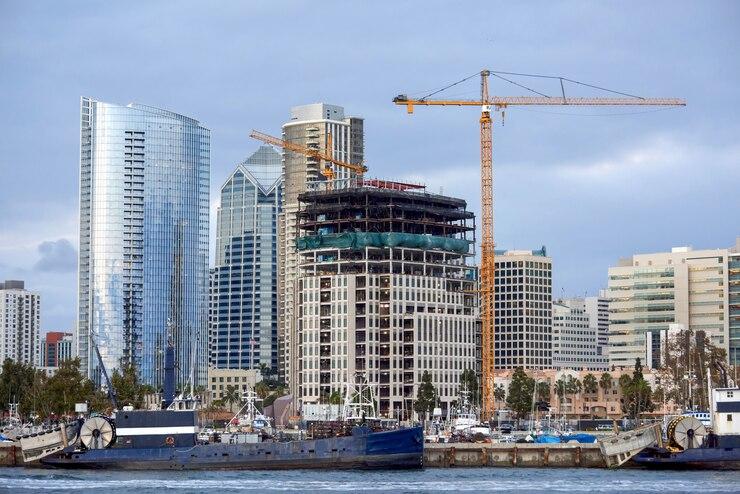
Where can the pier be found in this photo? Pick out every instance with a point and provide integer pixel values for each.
(513, 455)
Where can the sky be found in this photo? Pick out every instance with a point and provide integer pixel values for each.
(592, 185)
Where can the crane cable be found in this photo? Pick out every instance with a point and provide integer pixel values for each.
(499, 74)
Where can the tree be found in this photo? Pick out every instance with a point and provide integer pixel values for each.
(499, 392)
(636, 393)
(521, 389)
(231, 395)
(262, 389)
(67, 387)
(605, 382)
(543, 391)
(685, 357)
(335, 398)
(590, 385)
(15, 381)
(565, 386)
(426, 398)
(129, 391)
(469, 386)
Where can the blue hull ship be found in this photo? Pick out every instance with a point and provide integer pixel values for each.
(725, 455)
(692, 446)
(167, 440)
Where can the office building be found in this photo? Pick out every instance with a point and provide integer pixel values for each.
(20, 323)
(56, 347)
(733, 303)
(384, 293)
(143, 263)
(311, 127)
(597, 309)
(523, 309)
(575, 342)
(243, 332)
(240, 380)
(649, 292)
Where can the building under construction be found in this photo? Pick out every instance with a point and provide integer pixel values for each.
(385, 292)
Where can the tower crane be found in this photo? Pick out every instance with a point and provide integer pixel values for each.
(486, 103)
(327, 157)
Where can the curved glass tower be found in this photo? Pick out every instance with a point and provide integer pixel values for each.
(144, 187)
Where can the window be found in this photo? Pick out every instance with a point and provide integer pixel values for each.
(729, 417)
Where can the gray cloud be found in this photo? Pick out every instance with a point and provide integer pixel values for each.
(56, 256)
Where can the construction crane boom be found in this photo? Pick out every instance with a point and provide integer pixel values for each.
(502, 102)
(488, 266)
(313, 153)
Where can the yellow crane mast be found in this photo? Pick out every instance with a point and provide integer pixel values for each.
(327, 157)
(487, 269)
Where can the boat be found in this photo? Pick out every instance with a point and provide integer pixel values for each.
(690, 444)
(168, 439)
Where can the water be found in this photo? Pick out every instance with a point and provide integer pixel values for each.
(528, 480)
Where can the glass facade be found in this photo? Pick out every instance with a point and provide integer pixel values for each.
(144, 212)
(244, 317)
(733, 290)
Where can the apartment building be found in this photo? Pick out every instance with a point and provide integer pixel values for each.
(20, 323)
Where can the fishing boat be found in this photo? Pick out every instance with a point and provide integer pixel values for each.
(167, 439)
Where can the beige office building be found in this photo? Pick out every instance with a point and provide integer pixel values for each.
(309, 126)
(649, 292)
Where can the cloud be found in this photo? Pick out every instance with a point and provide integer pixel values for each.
(56, 256)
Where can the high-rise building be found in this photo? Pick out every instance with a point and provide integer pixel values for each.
(143, 269)
(733, 303)
(384, 294)
(597, 309)
(575, 341)
(649, 292)
(310, 126)
(523, 309)
(20, 323)
(244, 321)
(56, 347)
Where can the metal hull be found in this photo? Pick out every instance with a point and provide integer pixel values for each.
(400, 449)
(696, 458)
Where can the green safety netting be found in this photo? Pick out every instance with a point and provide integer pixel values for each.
(358, 240)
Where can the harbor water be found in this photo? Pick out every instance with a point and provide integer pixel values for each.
(530, 480)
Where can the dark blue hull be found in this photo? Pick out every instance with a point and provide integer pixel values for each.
(696, 458)
(399, 449)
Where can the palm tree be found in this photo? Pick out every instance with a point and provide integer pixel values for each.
(231, 395)
(605, 382)
(590, 385)
(262, 389)
(499, 393)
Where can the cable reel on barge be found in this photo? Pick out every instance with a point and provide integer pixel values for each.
(685, 432)
(98, 432)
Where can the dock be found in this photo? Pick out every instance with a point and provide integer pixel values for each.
(513, 455)
(10, 455)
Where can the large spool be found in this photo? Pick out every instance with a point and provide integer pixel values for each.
(685, 432)
(98, 433)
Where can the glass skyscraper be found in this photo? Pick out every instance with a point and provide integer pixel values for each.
(244, 315)
(143, 270)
